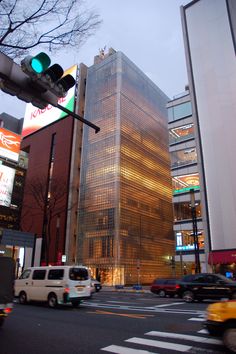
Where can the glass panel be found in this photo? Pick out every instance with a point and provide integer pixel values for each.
(183, 157)
(39, 274)
(78, 274)
(185, 241)
(182, 110)
(25, 274)
(56, 274)
(182, 211)
(183, 184)
(181, 133)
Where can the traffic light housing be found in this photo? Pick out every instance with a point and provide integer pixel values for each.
(48, 77)
(34, 80)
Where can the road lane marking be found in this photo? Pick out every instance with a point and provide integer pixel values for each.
(139, 316)
(143, 308)
(159, 344)
(120, 302)
(203, 331)
(185, 337)
(196, 319)
(171, 304)
(123, 350)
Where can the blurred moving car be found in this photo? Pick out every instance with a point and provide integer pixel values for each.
(96, 285)
(206, 286)
(163, 287)
(221, 321)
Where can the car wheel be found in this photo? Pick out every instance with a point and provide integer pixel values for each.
(188, 296)
(229, 338)
(75, 304)
(22, 298)
(162, 293)
(52, 301)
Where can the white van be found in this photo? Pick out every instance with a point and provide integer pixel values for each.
(54, 284)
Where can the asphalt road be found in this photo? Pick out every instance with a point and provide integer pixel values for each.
(126, 323)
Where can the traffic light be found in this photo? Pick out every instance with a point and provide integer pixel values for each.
(48, 77)
(34, 80)
(37, 82)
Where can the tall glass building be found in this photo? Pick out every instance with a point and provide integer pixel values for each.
(125, 220)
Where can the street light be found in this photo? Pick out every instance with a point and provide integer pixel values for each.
(195, 232)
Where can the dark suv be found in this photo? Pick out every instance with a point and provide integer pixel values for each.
(206, 286)
(163, 287)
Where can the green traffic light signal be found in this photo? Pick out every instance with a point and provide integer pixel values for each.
(40, 62)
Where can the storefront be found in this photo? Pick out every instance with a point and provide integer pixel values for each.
(223, 262)
(18, 245)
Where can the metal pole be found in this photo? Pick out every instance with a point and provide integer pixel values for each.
(76, 116)
(195, 232)
(57, 237)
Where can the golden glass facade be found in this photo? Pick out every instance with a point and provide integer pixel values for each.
(125, 208)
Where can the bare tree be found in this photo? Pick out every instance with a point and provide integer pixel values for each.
(50, 24)
(46, 201)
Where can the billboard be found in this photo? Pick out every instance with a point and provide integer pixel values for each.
(36, 118)
(7, 176)
(9, 144)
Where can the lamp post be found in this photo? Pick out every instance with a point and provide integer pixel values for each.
(195, 232)
(57, 237)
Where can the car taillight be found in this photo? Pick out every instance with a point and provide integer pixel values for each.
(8, 310)
(177, 286)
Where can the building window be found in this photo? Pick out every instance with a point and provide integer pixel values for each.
(179, 111)
(183, 184)
(185, 240)
(182, 211)
(183, 157)
(179, 134)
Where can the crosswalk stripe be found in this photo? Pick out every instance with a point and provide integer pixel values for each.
(159, 344)
(123, 350)
(196, 319)
(185, 337)
(203, 331)
(171, 304)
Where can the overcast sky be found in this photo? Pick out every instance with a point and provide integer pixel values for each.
(147, 32)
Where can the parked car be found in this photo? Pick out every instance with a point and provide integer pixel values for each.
(206, 286)
(96, 285)
(221, 321)
(163, 287)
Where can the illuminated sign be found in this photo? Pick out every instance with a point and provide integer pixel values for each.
(187, 189)
(9, 144)
(184, 183)
(36, 118)
(7, 176)
(185, 248)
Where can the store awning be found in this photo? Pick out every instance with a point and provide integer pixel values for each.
(222, 257)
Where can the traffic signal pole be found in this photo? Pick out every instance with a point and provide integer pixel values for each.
(76, 116)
